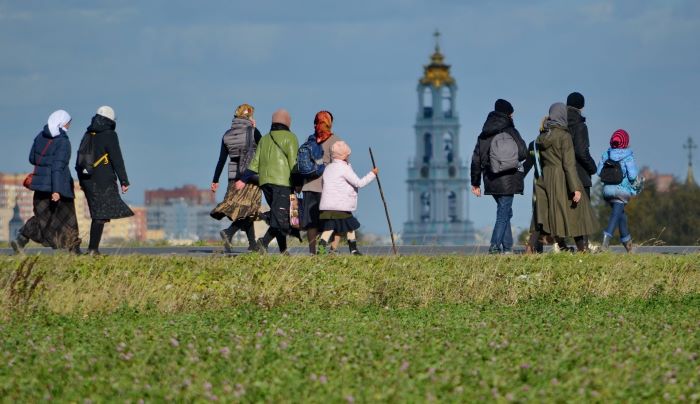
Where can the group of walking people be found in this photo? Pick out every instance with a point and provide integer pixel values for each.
(279, 168)
(563, 168)
(99, 165)
(275, 166)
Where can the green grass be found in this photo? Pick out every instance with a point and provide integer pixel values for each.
(552, 328)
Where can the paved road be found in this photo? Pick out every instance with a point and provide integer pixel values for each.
(373, 250)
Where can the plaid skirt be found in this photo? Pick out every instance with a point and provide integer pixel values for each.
(54, 224)
(239, 204)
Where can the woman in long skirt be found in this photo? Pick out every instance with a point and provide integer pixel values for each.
(242, 201)
(98, 178)
(54, 223)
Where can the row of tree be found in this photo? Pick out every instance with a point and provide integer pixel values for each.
(671, 217)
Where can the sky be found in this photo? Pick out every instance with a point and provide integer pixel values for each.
(174, 71)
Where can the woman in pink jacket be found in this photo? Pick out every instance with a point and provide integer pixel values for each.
(339, 198)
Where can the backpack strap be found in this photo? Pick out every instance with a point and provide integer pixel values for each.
(279, 147)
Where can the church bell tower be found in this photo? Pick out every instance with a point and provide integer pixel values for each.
(438, 179)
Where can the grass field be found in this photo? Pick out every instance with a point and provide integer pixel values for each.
(549, 328)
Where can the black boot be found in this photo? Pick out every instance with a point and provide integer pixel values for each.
(581, 243)
(352, 244)
(250, 235)
(226, 236)
(561, 243)
(19, 243)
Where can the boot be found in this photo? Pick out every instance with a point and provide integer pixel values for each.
(605, 246)
(19, 243)
(628, 246)
(561, 243)
(581, 244)
(260, 246)
(353, 247)
(226, 236)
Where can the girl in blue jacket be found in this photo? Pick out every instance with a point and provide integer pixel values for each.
(618, 195)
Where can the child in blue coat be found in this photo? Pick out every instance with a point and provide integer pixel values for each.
(618, 195)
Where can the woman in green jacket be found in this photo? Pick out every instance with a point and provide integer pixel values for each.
(562, 208)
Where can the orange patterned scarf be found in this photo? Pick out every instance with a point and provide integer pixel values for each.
(322, 126)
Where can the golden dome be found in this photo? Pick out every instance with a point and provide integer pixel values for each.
(437, 73)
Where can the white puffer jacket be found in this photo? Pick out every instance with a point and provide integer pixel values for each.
(340, 184)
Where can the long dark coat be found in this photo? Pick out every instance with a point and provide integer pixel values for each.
(585, 165)
(101, 189)
(555, 211)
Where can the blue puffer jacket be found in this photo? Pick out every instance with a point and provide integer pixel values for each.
(52, 173)
(629, 186)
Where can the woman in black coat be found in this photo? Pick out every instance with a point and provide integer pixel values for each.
(54, 223)
(99, 179)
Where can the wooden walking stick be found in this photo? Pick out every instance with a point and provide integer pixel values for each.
(386, 210)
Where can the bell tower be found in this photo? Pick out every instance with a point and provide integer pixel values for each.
(438, 179)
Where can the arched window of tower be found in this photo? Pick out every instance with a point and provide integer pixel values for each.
(425, 207)
(427, 102)
(427, 148)
(448, 147)
(452, 207)
(446, 98)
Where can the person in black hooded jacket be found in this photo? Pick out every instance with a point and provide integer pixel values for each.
(585, 165)
(503, 185)
(100, 185)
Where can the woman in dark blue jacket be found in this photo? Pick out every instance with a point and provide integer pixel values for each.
(54, 223)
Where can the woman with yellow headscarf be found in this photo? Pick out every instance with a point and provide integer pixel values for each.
(242, 206)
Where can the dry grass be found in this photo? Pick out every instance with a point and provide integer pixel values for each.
(82, 285)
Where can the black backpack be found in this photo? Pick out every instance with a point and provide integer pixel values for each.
(611, 174)
(85, 163)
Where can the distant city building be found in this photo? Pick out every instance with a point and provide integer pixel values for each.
(662, 182)
(181, 214)
(15, 224)
(189, 193)
(14, 196)
(438, 179)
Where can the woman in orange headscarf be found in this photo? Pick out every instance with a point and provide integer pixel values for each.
(320, 142)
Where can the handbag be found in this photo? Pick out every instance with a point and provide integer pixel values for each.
(27, 183)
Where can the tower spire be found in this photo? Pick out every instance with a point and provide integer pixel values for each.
(437, 73)
(690, 145)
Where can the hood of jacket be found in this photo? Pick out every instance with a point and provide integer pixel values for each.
(573, 116)
(100, 123)
(240, 122)
(47, 133)
(496, 122)
(618, 154)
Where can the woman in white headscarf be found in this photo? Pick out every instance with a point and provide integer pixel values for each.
(54, 223)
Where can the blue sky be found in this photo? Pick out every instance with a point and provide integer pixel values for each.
(174, 72)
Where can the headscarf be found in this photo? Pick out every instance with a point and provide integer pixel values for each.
(322, 126)
(557, 116)
(244, 111)
(340, 150)
(57, 121)
(620, 139)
